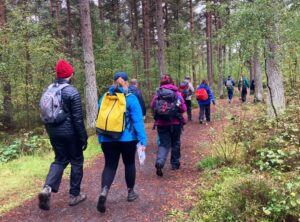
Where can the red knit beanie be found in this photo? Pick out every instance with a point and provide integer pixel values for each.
(63, 69)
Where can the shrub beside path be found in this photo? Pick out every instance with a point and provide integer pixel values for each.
(157, 196)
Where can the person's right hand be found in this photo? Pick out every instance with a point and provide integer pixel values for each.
(84, 146)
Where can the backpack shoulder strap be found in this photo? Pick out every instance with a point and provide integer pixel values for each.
(61, 86)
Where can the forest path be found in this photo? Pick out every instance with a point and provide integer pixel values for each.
(157, 196)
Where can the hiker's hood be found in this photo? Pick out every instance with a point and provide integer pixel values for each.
(114, 89)
(203, 85)
(132, 88)
(170, 86)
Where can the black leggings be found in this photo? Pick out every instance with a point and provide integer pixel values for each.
(112, 152)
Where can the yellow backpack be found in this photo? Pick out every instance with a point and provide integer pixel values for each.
(111, 116)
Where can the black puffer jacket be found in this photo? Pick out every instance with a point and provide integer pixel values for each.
(74, 124)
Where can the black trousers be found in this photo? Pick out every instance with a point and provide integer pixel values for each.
(244, 95)
(188, 104)
(204, 110)
(112, 152)
(67, 149)
(169, 138)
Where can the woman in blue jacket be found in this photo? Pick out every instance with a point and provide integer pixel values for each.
(125, 145)
(204, 105)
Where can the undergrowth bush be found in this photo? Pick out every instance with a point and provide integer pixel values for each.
(234, 195)
(25, 144)
(253, 173)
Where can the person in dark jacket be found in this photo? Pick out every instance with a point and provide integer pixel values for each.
(229, 83)
(243, 86)
(68, 139)
(124, 146)
(133, 88)
(204, 105)
(169, 131)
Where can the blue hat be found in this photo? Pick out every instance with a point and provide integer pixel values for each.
(121, 74)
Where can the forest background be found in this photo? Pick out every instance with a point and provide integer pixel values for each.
(202, 39)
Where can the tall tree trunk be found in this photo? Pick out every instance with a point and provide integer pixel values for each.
(220, 58)
(276, 99)
(258, 92)
(220, 71)
(167, 27)
(7, 117)
(192, 36)
(69, 28)
(28, 66)
(89, 65)
(134, 37)
(160, 36)
(52, 10)
(146, 51)
(210, 72)
(101, 11)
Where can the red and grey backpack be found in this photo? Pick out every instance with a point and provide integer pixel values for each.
(184, 89)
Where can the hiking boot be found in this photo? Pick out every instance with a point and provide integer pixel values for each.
(102, 199)
(74, 200)
(158, 170)
(44, 198)
(131, 195)
(175, 167)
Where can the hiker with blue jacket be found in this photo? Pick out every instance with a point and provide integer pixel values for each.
(205, 98)
(133, 88)
(168, 106)
(125, 145)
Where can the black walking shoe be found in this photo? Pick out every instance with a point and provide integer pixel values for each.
(131, 195)
(44, 198)
(101, 204)
(175, 167)
(102, 199)
(159, 170)
(200, 121)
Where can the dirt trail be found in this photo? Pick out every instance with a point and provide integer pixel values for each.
(156, 195)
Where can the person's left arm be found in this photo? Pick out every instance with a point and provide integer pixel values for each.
(136, 117)
(211, 95)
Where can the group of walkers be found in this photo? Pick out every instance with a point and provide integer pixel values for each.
(120, 128)
(243, 86)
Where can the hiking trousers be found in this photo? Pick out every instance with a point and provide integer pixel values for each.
(67, 149)
(169, 138)
(244, 95)
(230, 94)
(188, 104)
(204, 110)
(112, 152)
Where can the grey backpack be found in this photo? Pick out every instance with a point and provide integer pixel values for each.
(51, 106)
(229, 84)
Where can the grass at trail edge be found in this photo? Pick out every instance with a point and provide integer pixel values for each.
(23, 178)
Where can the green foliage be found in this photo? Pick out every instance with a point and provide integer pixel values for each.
(26, 144)
(234, 195)
(210, 163)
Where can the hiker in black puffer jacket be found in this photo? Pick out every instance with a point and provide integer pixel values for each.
(68, 139)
